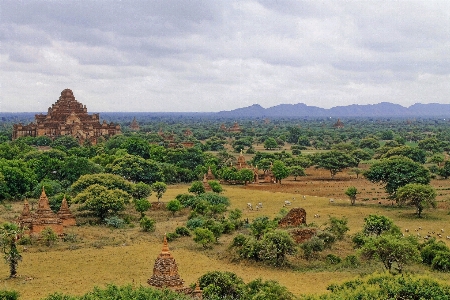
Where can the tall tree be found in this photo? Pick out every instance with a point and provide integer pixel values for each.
(9, 234)
(334, 161)
(280, 171)
(418, 195)
(396, 172)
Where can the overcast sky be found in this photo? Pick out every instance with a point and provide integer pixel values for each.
(219, 55)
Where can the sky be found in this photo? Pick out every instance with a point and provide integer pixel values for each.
(207, 56)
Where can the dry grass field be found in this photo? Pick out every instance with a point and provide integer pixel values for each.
(101, 255)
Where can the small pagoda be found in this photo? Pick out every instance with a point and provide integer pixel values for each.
(134, 126)
(45, 217)
(165, 274)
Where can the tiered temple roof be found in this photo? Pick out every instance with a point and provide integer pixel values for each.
(67, 117)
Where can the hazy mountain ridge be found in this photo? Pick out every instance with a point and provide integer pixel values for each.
(383, 109)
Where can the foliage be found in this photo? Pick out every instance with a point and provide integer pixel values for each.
(441, 261)
(216, 187)
(382, 286)
(9, 295)
(261, 225)
(171, 236)
(174, 206)
(102, 201)
(109, 181)
(275, 245)
(334, 161)
(123, 293)
(135, 168)
(214, 199)
(182, 231)
(197, 188)
(297, 171)
(221, 285)
(266, 290)
(279, 170)
(391, 249)
(194, 223)
(141, 190)
(413, 153)
(147, 224)
(187, 200)
(17, 179)
(396, 172)
(245, 175)
(376, 225)
(204, 237)
(115, 222)
(351, 192)
(430, 250)
(445, 170)
(9, 234)
(312, 246)
(141, 206)
(338, 227)
(159, 188)
(270, 143)
(48, 236)
(418, 195)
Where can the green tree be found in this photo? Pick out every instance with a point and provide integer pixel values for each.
(141, 190)
(222, 285)
(280, 171)
(351, 192)
(18, 179)
(275, 245)
(9, 234)
(159, 188)
(174, 206)
(245, 175)
(49, 236)
(369, 143)
(216, 187)
(376, 225)
(197, 188)
(418, 195)
(338, 227)
(270, 143)
(297, 171)
(266, 290)
(432, 145)
(416, 154)
(261, 225)
(102, 201)
(392, 250)
(109, 181)
(396, 172)
(334, 161)
(65, 143)
(204, 237)
(136, 168)
(437, 159)
(142, 205)
(445, 170)
(147, 224)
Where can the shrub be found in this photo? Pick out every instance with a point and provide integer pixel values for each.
(204, 237)
(441, 261)
(333, 259)
(70, 237)
(214, 199)
(351, 261)
(147, 224)
(338, 227)
(359, 239)
(327, 237)
(115, 222)
(49, 237)
(311, 247)
(239, 240)
(187, 200)
(9, 295)
(25, 240)
(429, 252)
(171, 236)
(182, 231)
(195, 223)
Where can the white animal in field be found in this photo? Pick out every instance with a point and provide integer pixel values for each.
(260, 205)
(331, 200)
(287, 202)
(316, 216)
(249, 206)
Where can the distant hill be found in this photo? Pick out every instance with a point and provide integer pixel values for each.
(383, 109)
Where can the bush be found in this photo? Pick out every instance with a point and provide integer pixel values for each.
(182, 231)
(221, 285)
(171, 236)
(49, 237)
(351, 261)
(70, 237)
(214, 199)
(195, 223)
(147, 224)
(359, 239)
(338, 227)
(311, 247)
(25, 240)
(333, 259)
(204, 237)
(187, 200)
(239, 240)
(441, 261)
(429, 251)
(327, 237)
(115, 222)
(9, 295)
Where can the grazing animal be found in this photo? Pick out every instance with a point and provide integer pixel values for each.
(442, 230)
(448, 237)
(249, 206)
(379, 202)
(331, 200)
(316, 216)
(286, 202)
(406, 230)
(260, 204)
(304, 197)
(439, 235)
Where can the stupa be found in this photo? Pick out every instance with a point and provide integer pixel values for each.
(165, 274)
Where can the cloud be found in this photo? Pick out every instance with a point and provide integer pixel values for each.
(219, 55)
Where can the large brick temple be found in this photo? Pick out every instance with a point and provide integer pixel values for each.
(67, 117)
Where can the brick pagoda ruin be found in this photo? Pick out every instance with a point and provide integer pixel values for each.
(44, 217)
(165, 274)
(67, 117)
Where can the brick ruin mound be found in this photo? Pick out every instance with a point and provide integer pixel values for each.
(301, 235)
(294, 218)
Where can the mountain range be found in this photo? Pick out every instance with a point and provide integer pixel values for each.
(383, 109)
